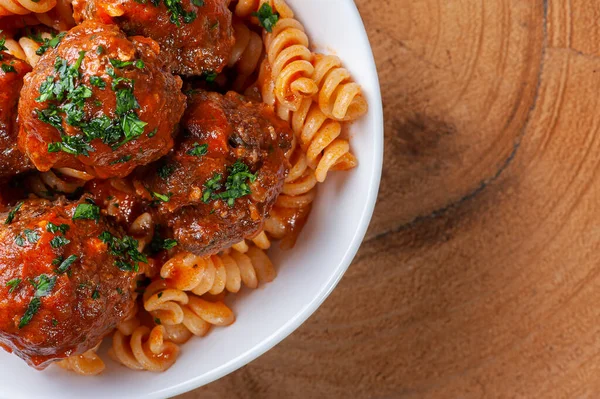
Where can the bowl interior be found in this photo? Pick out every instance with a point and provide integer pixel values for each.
(306, 274)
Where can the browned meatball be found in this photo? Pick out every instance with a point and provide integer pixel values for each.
(218, 185)
(12, 70)
(99, 102)
(195, 36)
(66, 279)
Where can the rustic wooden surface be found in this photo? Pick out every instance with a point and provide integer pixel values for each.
(479, 276)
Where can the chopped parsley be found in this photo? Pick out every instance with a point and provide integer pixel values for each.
(236, 185)
(52, 228)
(71, 93)
(54, 322)
(99, 50)
(8, 68)
(13, 213)
(95, 294)
(199, 150)
(158, 243)
(165, 170)
(87, 211)
(32, 309)
(125, 250)
(177, 13)
(157, 321)
(32, 235)
(198, 3)
(2, 43)
(98, 82)
(210, 76)
(20, 241)
(43, 286)
(162, 197)
(123, 159)
(49, 43)
(13, 284)
(66, 264)
(267, 17)
(59, 241)
(119, 291)
(152, 133)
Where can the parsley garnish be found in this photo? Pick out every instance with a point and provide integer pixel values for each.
(13, 284)
(32, 235)
(59, 241)
(95, 294)
(123, 159)
(66, 264)
(158, 243)
(2, 43)
(98, 82)
(157, 321)
(236, 185)
(87, 211)
(8, 68)
(43, 286)
(52, 228)
(162, 197)
(198, 150)
(12, 213)
(152, 133)
(176, 12)
(210, 76)
(267, 17)
(32, 309)
(100, 50)
(50, 43)
(126, 251)
(165, 170)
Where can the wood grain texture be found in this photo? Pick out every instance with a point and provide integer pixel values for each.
(479, 275)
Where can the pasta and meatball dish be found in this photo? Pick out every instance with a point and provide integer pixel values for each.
(151, 153)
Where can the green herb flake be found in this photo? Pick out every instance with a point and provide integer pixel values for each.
(125, 250)
(66, 264)
(266, 17)
(59, 241)
(50, 43)
(162, 197)
(123, 159)
(20, 241)
(8, 68)
(13, 213)
(157, 321)
(165, 170)
(87, 211)
(32, 235)
(32, 309)
(13, 284)
(98, 82)
(198, 150)
(236, 185)
(52, 228)
(95, 294)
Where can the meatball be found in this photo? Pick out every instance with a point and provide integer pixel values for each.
(66, 279)
(12, 70)
(99, 102)
(195, 36)
(225, 174)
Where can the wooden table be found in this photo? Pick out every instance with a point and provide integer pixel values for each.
(479, 276)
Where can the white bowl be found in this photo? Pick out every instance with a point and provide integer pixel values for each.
(306, 275)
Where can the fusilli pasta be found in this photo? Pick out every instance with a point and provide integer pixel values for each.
(88, 363)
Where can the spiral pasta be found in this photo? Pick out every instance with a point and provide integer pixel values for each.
(88, 363)
(218, 273)
(56, 14)
(339, 97)
(144, 349)
(287, 53)
(62, 180)
(246, 54)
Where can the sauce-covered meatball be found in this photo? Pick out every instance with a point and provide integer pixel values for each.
(220, 182)
(66, 279)
(195, 36)
(99, 102)
(12, 70)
